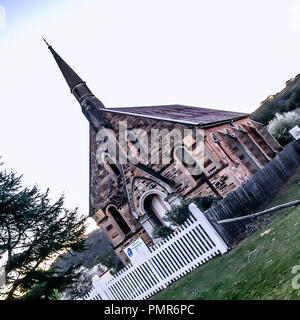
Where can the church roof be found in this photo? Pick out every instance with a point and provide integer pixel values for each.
(182, 114)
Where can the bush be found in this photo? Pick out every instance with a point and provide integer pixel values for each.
(179, 214)
(161, 232)
(280, 126)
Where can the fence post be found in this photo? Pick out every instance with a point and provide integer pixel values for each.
(100, 287)
(209, 229)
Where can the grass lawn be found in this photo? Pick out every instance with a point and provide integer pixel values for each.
(260, 267)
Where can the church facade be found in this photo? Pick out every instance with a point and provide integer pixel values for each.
(128, 200)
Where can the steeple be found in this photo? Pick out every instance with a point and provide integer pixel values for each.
(70, 76)
(91, 106)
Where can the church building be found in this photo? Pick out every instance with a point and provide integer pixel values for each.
(128, 200)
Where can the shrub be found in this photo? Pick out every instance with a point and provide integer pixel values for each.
(179, 214)
(280, 126)
(161, 232)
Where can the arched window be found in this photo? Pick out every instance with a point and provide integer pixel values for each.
(119, 219)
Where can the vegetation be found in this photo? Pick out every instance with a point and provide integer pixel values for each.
(98, 257)
(161, 232)
(84, 283)
(286, 100)
(260, 267)
(32, 232)
(280, 126)
(52, 286)
(99, 251)
(179, 214)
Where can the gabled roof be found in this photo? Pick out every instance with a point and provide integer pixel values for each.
(182, 114)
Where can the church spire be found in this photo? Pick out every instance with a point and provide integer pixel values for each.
(77, 86)
(90, 105)
(69, 74)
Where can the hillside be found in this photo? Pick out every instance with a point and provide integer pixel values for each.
(260, 267)
(286, 100)
(98, 250)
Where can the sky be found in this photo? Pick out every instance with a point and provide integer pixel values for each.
(219, 54)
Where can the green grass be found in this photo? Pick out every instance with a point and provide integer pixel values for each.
(258, 268)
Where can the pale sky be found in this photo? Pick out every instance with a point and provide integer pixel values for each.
(222, 54)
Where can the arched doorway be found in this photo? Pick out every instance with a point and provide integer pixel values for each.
(155, 207)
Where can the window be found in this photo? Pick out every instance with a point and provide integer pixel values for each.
(114, 168)
(108, 160)
(207, 162)
(119, 219)
(109, 227)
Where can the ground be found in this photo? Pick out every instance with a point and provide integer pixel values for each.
(260, 267)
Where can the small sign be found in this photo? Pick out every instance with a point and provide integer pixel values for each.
(137, 250)
(295, 132)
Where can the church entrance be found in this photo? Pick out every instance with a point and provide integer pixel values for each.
(155, 207)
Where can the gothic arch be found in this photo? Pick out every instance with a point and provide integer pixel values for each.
(154, 205)
(147, 179)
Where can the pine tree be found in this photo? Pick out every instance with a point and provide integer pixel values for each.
(32, 232)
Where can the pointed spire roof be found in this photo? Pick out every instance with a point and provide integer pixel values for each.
(69, 74)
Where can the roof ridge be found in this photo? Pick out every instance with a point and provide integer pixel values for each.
(187, 114)
(149, 106)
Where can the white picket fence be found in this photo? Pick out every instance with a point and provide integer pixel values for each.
(188, 247)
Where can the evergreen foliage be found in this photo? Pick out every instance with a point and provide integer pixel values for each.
(32, 232)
